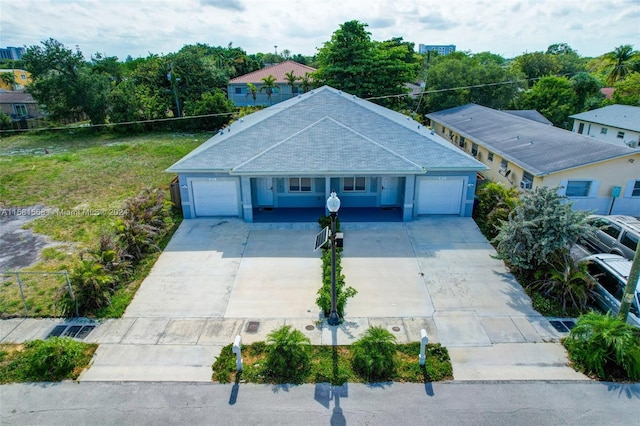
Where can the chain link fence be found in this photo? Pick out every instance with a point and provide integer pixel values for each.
(33, 294)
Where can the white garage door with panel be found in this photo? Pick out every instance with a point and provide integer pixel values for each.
(215, 197)
(440, 195)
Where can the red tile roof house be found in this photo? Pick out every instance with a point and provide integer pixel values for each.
(239, 93)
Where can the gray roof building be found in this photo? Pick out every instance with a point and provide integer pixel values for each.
(293, 154)
(619, 116)
(539, 148)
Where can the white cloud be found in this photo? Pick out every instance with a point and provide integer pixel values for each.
(136, 28)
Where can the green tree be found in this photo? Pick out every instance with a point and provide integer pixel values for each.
(208, 104)
(253, 91)
(568, 60)
(8, 78)
(536, 65)
(621, 61)
(627, 91)
(540, 230)
(305, 82)
(553, 97)
(291, 79)
(65, 84)
(586, 87)
(470, 78)
(269, 86)
(352, 62)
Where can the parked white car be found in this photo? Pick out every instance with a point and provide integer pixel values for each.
(611, 273)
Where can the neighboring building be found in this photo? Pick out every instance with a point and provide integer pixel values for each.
(441, 49)
(19, 105)
(616, 124)
(14, 53)
(238, 91)
(526, 154)
(22, 78)
(292, 155)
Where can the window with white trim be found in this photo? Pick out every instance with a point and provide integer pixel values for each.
(603, 131)
(21, 110)
(354, 184)
(504, 164)
(620, 135)
(474, 149)
(490, 156)
(578, 188)
(636, 189)
(299, 184)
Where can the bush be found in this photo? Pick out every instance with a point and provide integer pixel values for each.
(494, 203)
(373, 354)
(540, 230)
(145, 222)
(325, 221)
(324, 293)
(570, 284)
(288, 355)
(48, 360)
(606, 346)
(92, 287)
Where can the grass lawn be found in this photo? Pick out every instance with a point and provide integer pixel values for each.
(333, 364)
(79, 173)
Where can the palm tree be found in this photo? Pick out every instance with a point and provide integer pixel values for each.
(253, 90)
(269, 84)
(291, 80)
(622, 60)
(305, 82)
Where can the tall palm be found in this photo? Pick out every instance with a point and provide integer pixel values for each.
(268, 85)
(305, 82)
(253, 91)
(291, 79)
(622, 60)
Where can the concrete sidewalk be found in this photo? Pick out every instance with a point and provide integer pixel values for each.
(219, 278)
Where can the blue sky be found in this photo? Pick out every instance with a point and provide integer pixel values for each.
(138, 27)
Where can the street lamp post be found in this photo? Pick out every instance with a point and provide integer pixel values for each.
(333, 205)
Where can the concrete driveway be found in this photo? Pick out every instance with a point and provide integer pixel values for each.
(222, 277)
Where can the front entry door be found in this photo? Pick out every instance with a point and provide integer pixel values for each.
(389, 196)
(264, 186)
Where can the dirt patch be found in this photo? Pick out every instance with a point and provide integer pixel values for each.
(20, 248)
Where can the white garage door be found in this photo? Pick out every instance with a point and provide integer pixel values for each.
(440, 196)
(216, 197)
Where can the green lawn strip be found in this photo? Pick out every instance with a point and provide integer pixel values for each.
(333, 364)
(87, 177)
(48, 360)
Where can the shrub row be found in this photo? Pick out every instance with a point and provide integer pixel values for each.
(288, 357)
(101, 271)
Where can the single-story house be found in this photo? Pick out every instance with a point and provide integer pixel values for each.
(239, 93)
(19, 104)
(523, 153)
(293, 154)
(617, 124)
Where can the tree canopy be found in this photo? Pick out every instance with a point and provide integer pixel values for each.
(352, 62)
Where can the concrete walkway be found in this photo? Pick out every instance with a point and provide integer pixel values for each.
(219, 278)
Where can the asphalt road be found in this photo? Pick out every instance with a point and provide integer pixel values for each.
(450, 403)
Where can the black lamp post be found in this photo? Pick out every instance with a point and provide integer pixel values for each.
(333, 205)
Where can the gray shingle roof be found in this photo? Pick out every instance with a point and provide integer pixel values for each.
(326, 131)
(621, 116)
(530, 114)
(538, 148)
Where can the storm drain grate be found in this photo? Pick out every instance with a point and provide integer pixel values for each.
(78, 328)
(563, 325)
(253, 326)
